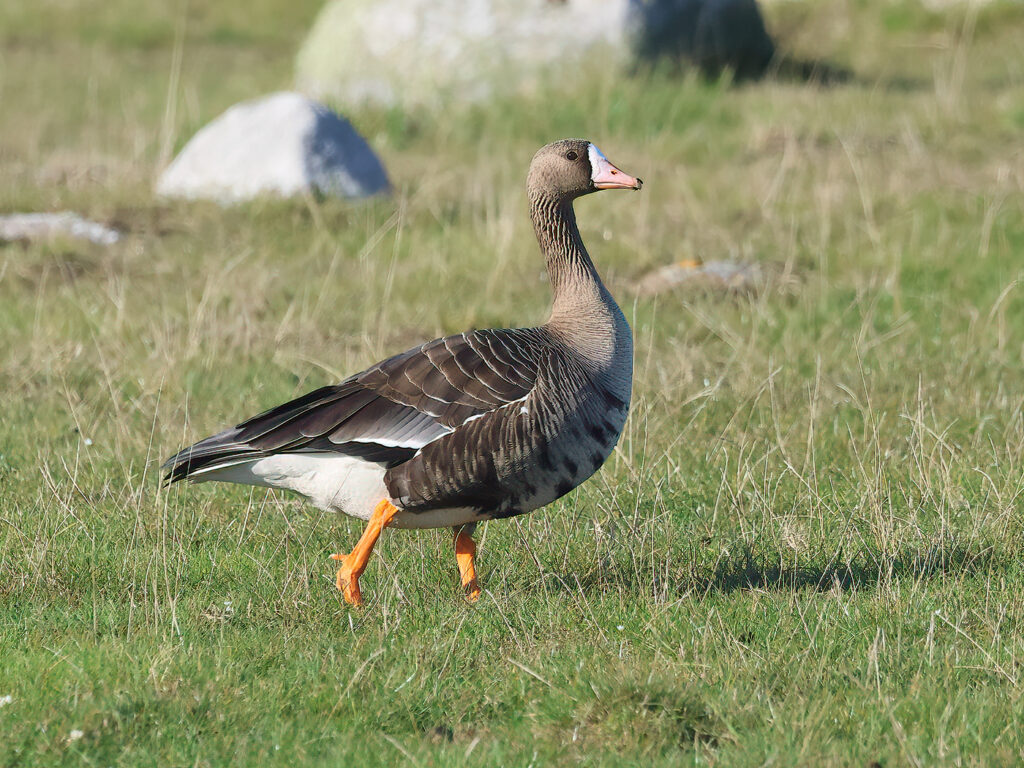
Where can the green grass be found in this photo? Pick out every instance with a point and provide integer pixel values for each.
(806, 550)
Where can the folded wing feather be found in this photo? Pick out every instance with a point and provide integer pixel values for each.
(387, 412)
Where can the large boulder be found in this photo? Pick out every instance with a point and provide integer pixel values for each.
(282, 145)
(414, 52)
(713, 35)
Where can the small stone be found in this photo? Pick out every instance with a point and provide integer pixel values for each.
(441, 734)
(283, 144)
(730, 276)
(31, 227)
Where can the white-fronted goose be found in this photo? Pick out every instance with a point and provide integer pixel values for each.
(483, 425)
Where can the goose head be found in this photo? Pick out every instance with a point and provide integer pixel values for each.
(571, 168)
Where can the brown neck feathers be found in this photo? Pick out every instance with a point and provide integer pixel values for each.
(569, 266)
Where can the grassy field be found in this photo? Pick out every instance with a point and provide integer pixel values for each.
(806, 550)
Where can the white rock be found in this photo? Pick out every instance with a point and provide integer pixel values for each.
(283, 144)
(44, 226)
(714, 275)
(413, 52)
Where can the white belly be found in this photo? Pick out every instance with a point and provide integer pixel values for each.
(333, 483)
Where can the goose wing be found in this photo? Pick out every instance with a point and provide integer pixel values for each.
(386, 413)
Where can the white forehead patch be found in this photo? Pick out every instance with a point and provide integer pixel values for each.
(597, 159)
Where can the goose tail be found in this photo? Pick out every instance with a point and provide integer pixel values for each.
(216, 452)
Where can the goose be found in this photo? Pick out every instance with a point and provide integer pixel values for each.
(484, 425)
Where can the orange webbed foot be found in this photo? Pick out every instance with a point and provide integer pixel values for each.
(346, 581)
(354, 563)
(465, 557)
(472, 591)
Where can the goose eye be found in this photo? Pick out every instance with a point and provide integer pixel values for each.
(571, 155)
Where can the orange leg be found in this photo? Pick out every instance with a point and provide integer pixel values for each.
(465, 553)
(354, 563)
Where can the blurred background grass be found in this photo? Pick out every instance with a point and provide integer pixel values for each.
(805, 550)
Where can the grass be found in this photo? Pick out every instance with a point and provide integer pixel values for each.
(805, 551)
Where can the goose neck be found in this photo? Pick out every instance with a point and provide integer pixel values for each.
(570, 270)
